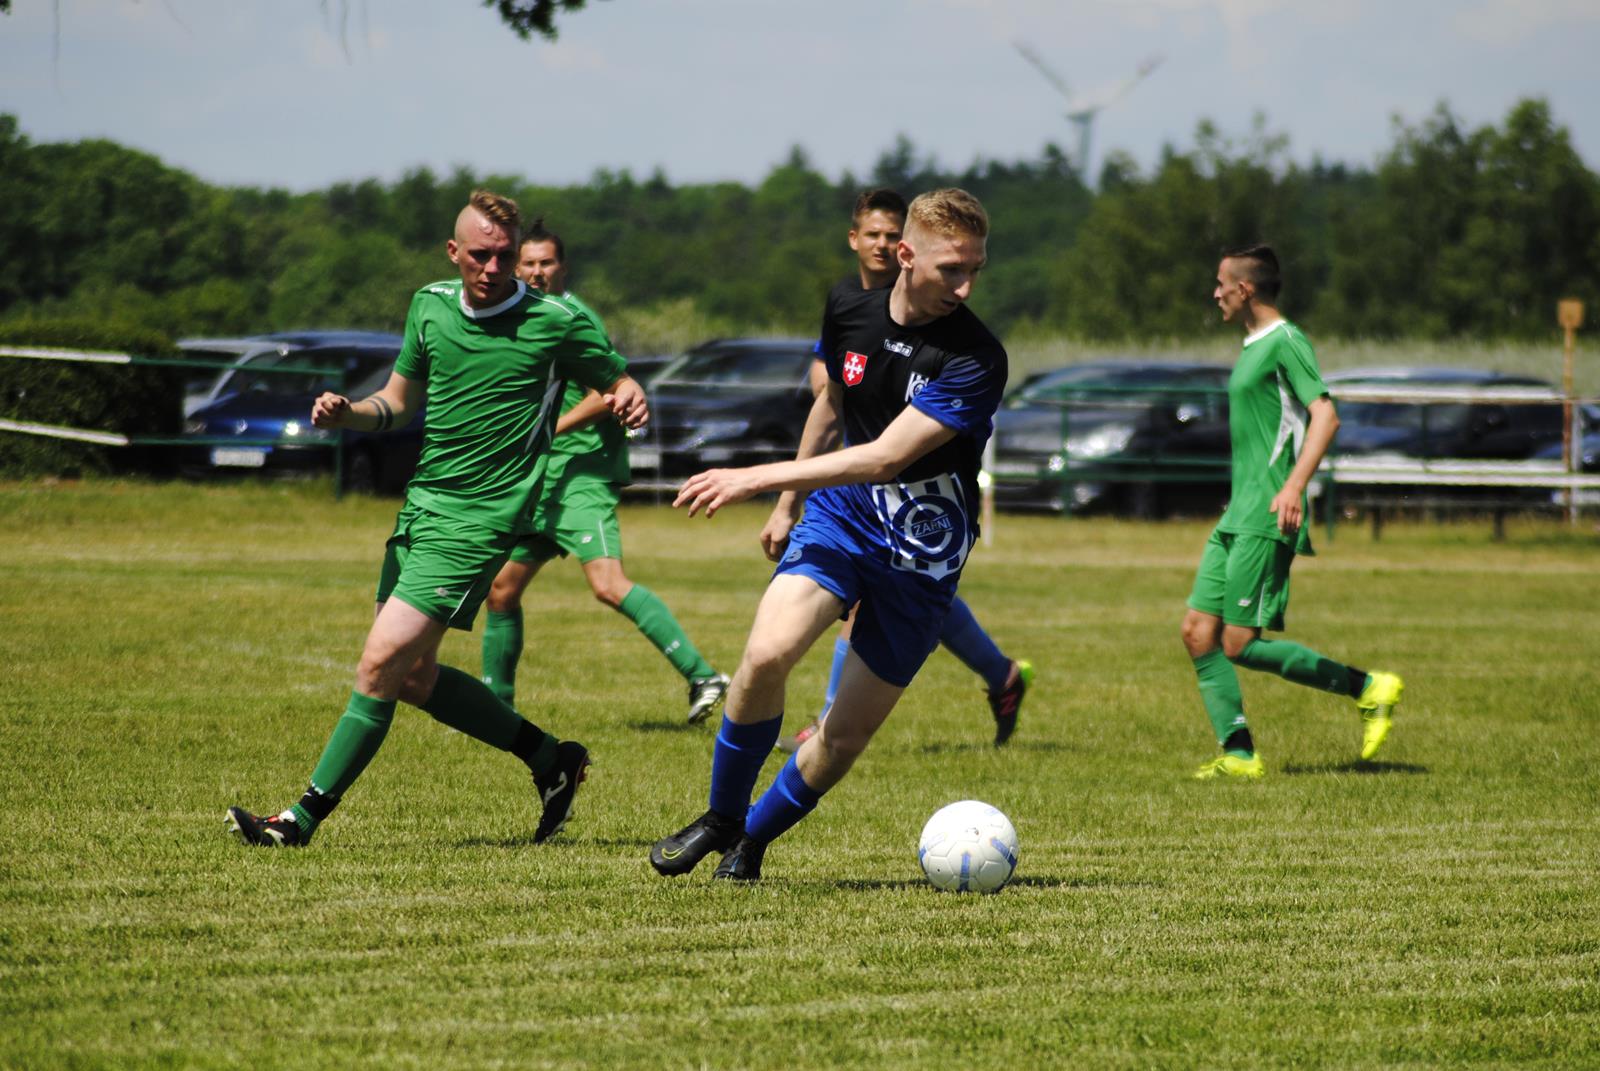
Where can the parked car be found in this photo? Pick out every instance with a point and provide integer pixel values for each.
(738, 401)
(1128, 435)
(206, 385)
(1480, 429)
(262, 420)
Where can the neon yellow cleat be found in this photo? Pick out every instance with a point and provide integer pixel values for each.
(1377, 703)
(1226, 765)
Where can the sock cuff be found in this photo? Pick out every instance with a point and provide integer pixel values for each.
(636, 595)
(503, 617)
(1210, 658)
(794, 787)
(758, 737)
(379, 710)
(841, 644)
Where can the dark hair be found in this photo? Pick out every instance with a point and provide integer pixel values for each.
(878, 199)
(1259, 267)
(538, 232)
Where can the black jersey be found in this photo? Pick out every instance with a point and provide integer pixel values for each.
(951, 369)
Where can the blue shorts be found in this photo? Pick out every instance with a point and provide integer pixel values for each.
(901, 612)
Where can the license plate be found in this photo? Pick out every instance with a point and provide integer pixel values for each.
(644, 457)
(239, 457)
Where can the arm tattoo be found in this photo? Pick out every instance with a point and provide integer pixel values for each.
(384, 413)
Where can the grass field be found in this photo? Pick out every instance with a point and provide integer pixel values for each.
(174, 649)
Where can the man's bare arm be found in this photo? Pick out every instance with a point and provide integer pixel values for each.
(1319, 436)
(909, 436)
(390, 408)
(591, 409)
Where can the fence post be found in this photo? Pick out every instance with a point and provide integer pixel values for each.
(1569, 313)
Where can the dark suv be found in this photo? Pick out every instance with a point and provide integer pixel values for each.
(730, 402)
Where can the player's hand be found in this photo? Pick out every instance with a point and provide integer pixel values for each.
(330, 410)
(1286, 504)
(715, 488)
(775, 533)
(629, 404)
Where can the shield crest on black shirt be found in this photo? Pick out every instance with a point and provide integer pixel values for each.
(855, 367)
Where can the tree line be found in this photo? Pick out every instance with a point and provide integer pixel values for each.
(1453, 232)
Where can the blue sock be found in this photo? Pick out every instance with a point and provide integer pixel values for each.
(841, 647)
(736, 763)
(967, 641)
(784, 803)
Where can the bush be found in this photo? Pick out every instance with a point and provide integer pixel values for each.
(137, 400)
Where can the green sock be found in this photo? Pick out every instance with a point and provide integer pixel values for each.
(502, 647)
(646, 610)
(1301, 665)
(356, 738)
(463, 702)
(1219, 691)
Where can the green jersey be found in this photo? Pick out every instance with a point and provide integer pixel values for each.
(1274, 381)
(493, 377)
(599, 450)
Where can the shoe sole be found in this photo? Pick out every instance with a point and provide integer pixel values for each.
(701, 713)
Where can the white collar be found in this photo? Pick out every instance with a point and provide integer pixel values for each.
(1262, 332)
(493, 310)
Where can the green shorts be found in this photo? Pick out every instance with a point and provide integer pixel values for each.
(577, 516)
(1244, 580)
(441, 566)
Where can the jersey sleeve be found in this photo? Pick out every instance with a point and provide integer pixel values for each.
(1299, 363)
(413, 359)
(966, 393)
(586, 355)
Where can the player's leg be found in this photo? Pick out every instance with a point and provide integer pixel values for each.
(586, 526)
(1005, 679)
(841, 648)
(657, 624)
(795, 610)
(400, 637)
(1259, 598)
(502, 626)
(897, 627)
(1215, 675)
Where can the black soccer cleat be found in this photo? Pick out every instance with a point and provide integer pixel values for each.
(742, 862)
(681, 852)
(265, 831)
(1006, 704)
(558, 787)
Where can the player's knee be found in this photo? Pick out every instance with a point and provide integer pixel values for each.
(1197, 637)
(503, 598)
(1233, 646)
(766, 662)
(610, 594)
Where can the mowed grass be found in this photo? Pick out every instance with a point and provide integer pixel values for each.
(174, 649)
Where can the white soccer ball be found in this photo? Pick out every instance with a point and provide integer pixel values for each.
(968, 847)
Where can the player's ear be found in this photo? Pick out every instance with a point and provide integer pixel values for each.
(851, 238)
(450, 249)
(905, 254)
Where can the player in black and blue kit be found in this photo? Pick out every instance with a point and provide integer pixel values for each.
(914, 381)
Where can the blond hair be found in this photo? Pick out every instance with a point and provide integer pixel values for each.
(498, 209)
(948, 211)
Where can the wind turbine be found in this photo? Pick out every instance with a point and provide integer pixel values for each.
(1082, 110)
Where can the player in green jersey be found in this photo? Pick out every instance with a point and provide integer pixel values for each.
(575, 512)
(489, 355)
(1242, 585)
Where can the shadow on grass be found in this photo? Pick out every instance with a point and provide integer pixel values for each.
(565, 841)
(1356, 766)
(1026, 881)
(679, 726)
(970, 746)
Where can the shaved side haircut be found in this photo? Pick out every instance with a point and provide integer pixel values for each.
(497, 209)
(1258, 266)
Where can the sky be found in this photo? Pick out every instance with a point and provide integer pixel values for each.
(301, 94)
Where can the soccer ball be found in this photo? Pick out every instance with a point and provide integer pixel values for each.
(968, 847)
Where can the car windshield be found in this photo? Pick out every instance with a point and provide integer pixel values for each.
(1402, 417)
(737, 368)
(279, 379)
(1095, 382)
